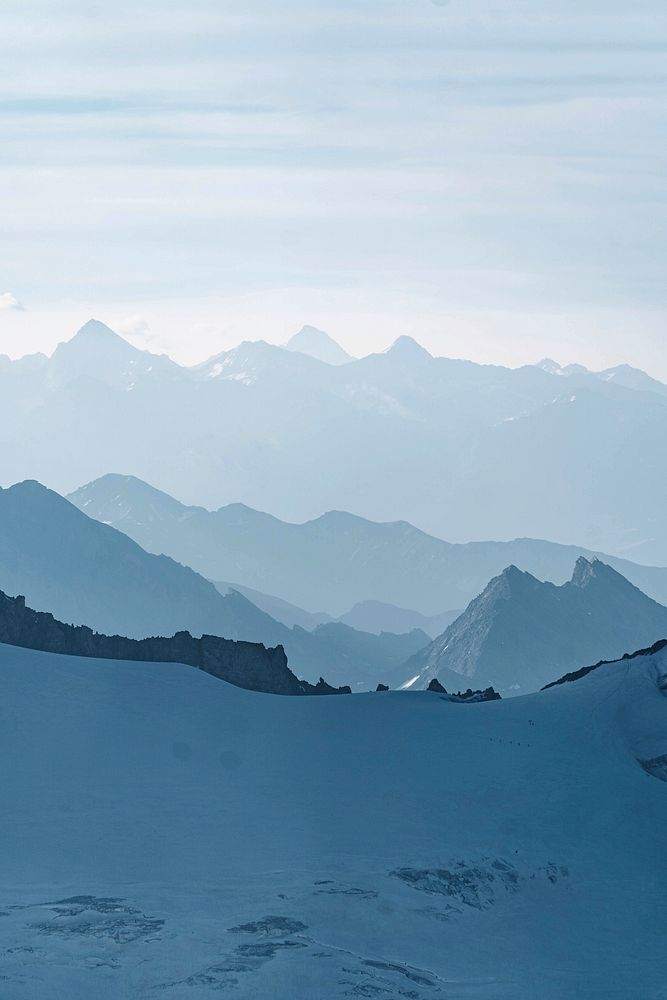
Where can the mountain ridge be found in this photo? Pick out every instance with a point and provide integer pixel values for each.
(90, 573)
(245, 424)
(244, 664)
(335, 561)
(520, 630)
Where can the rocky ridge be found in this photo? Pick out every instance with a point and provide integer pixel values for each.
(247, 665)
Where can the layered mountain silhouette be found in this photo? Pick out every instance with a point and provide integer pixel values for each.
(88, 573)
(367, 616)
(376, 616)
(394, 435)
(521, 633)
(318, 344)
(334, 562)
(287, 613)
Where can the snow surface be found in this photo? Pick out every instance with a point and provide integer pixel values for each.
(166, 835)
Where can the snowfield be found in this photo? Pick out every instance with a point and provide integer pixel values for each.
(166, 835)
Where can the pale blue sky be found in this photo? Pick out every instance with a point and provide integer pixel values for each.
(487, 176)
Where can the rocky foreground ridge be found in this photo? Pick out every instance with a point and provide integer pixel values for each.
(469, 696)
(576, 675)
(245, 664)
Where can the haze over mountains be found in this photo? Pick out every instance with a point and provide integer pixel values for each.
(328, 674)
(516, 636)
(334, 562)
(167, 833)
(87, 573)
(523, 633)
(399, 435)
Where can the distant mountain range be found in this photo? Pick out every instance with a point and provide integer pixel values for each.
(367, 616)
(462, 450)
(328, 565)
(377, 617)
(520, 633)
(87, 573)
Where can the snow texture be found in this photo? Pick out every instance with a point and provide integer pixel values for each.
(165, 835)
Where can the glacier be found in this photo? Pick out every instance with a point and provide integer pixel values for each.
(167, 835)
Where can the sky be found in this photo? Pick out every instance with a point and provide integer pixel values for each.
(487, 176)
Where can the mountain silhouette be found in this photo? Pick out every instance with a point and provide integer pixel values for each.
(393, 435)
(521, 633)
(88, 573)
(317, 344)
(335, 561)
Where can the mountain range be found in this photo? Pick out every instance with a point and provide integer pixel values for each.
(88, 573)
(560, 451)
(521, 633)
(516, 636)
(367, 616)
(328, 565)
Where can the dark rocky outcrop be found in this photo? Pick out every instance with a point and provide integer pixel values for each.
(382, 687)
(576, 675)
(323, 688)
(488, 694)
(245, 664)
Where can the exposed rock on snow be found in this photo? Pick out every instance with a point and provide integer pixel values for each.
(246, 664)
(469, 695)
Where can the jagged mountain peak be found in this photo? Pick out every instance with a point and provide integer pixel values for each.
(520, 630)
(114, 497)
(96, 328)
(95, 335)
(584, 571)
(407, 348)
(509, 580)
(318, 344)
(96, 352)
(594, 570)
(513, 572)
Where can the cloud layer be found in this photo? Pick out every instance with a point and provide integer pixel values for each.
(502, 159)
(9, 301)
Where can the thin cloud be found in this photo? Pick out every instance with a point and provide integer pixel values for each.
(9, 301)
(133, 326)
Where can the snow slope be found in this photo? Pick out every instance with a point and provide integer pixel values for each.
(167, 835)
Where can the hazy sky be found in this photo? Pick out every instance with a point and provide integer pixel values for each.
(486, 175)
